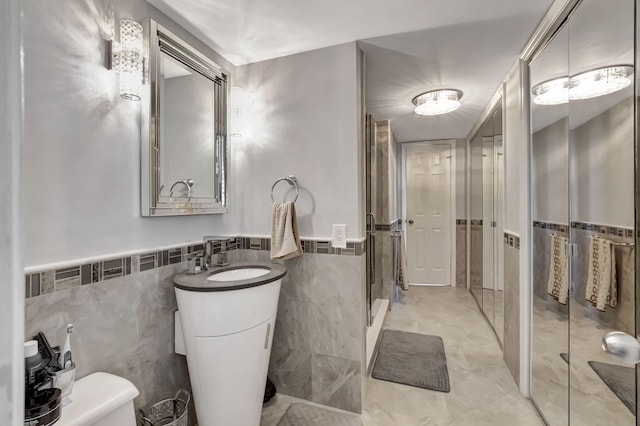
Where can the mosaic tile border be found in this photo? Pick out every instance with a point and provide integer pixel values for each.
(474, 222)
(461, 221)
(512, 240)
(551, 226)
(46, 282)
(616, 231)
(393, 226)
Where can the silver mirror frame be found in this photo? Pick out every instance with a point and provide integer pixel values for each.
(158, 39)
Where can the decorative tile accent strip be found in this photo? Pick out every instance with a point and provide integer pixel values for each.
(604, 229)
(512, 240)
(550, 225)
(383, 227)
(461, 221)
(60, 279)
(475, 222)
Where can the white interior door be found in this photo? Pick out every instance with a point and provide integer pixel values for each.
(428, 207)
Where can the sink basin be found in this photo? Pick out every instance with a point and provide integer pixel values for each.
(238, 274)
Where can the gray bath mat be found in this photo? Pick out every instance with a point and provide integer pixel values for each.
(621, 380)
(412, 359)
(308, 415)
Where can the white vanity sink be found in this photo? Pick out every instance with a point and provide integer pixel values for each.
(228, 316)
(238, 274)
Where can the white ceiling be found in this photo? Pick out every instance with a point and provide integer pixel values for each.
(412, 46)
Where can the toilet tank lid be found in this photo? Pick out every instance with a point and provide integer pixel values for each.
(94, 396)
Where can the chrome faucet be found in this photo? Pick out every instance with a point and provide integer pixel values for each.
(208, 251)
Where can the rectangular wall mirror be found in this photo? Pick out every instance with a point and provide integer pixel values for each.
(184, 129)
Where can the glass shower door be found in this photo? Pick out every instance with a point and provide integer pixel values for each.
(371, 203)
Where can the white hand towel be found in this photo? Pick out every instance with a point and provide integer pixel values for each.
(602, 286)
(285, 240)
(558, 282)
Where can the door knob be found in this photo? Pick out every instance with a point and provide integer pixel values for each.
(410, 221)
(623, 346)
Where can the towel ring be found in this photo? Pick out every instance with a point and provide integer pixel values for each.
(188, 183)
(292, 180)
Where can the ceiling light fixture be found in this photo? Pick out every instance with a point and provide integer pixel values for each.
(551, 92)
(436, 102)
(599, 82)
(586, 85)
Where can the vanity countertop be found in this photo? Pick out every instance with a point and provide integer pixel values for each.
(231, 277)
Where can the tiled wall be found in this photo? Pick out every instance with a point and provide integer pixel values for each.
(619, 318)
(318, 343)
(461, 253)
(511, 342)
(383, 286)
(475, 252)
(48, 281)
(124, 318)
(622, 317)
(122, 325)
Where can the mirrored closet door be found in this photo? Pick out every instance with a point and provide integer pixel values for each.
(486, 208)
(583, 202)
(549, 233)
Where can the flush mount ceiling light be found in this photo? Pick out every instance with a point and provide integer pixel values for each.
(437, 102)
(600, 82)
(586, 85)
(552, 92)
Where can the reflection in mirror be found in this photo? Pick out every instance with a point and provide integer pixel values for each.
(486, 251)
(184, 147)
(488, 239)
(550, 213)
(475, 219)
(498, 230)
(601, 164)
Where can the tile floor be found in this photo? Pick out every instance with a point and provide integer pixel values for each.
(482, 390)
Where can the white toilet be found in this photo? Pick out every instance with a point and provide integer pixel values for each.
(100, 399)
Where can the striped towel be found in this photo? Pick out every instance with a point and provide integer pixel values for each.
(558, 283)
(602, 286)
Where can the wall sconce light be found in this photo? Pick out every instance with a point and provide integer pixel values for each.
(126, 58)
(437, 102)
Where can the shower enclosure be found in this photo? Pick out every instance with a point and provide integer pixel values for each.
(583, 202)
(382, 224)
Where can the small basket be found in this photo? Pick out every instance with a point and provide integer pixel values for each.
(168, 412)
(64, 379)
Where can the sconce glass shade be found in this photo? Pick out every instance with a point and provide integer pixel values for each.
(586, 85)
(437, 102)
(128, 59)
(235, 111)
(599, 82)
(552, 92)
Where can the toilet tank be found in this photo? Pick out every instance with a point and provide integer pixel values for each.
(100, 399)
